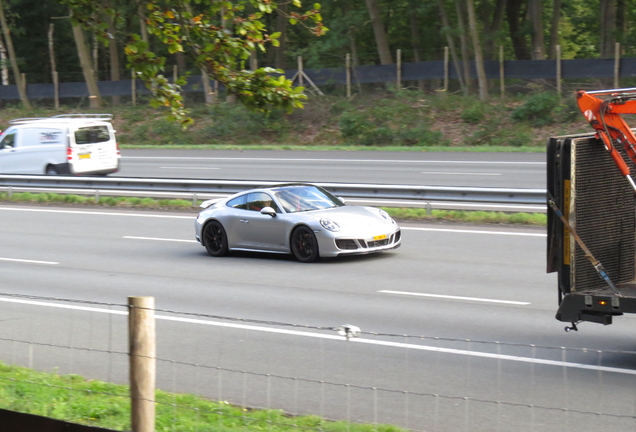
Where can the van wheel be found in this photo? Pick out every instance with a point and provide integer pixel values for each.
(50, 170)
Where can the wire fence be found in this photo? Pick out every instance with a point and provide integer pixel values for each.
(337, 372)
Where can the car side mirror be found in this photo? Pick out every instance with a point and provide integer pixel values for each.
(268, 211)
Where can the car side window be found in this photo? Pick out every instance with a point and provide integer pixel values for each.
(238, 202)
(8, 141)
(256, 201)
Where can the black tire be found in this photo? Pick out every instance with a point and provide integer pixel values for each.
(304, 245)
(215, 239)
(50, 170)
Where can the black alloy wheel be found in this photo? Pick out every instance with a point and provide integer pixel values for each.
(304, 244)
(215, 239)
(50, 170)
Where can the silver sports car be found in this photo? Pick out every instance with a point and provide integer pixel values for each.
(301, 219)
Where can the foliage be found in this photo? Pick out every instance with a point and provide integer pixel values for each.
(538, 109)
(221, 50)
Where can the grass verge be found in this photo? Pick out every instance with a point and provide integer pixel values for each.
(75, 399)
(401, 214)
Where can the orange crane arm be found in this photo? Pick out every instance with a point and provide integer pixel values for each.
(604, 115)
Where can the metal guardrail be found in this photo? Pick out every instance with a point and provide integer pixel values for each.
(345, 190)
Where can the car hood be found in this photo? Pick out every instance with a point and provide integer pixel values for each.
(357, 221)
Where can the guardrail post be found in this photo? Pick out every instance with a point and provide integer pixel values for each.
(194, 200)
(96, 196)
(143, 369)
(429, 209)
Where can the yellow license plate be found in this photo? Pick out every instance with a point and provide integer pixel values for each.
(84, 155)
(380, 237)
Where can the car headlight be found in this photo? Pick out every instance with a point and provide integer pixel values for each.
(386, 216)
(330, 225)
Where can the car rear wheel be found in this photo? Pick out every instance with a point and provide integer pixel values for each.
(215, 239)
(50, 170)
(304, 245)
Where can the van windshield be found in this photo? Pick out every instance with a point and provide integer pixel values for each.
(91, 135)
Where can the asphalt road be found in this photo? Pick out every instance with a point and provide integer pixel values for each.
(455, 285)
(507, 170)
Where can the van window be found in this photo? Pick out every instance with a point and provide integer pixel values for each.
(8, 141)
(92, 134)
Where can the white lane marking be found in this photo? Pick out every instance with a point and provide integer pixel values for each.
(159, 239)
(96, 213)
(449, 297)
(437, 204)
(29, 261)
(461, 173)
(474, 231)
(191, 168)
(333, 160)
(519, 359)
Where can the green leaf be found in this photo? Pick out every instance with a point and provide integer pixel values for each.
(293, 21)
(317, 6)
(297, 3)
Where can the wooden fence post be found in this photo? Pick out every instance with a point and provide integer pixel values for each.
(300, 71)
(446, 70)
(399, 69)
(348, 74)
(617, 64)
(143, 368)
(56, 90)
(134, 88)
(559, 72)
(502, 72)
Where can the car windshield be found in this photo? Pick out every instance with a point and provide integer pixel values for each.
(305, 198)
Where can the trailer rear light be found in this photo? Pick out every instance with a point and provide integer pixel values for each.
(602, 302)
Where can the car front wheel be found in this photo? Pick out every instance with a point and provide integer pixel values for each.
(304, 245)
(215, 239)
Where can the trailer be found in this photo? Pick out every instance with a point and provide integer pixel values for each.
(591, 241)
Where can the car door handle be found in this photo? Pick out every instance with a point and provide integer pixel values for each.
(244, 221)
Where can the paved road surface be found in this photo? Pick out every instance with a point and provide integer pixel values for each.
(460, 284)
(508, 170)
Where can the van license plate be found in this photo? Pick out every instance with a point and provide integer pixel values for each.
(84, 155)
(380, 237)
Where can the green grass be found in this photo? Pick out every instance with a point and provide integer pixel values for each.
(75, 399)
(418, 214)
(400, 214)
(380, 120)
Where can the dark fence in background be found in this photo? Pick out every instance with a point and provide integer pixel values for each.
(512, 69)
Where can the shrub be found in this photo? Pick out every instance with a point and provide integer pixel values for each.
(474, 114)
(354, 124)
(538, 109)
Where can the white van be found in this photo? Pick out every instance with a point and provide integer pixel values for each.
(75, 144)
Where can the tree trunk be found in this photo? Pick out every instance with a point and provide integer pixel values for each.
(451, 45)
(492, 28)
(113, 52)
(415, 38)
(3, 62)
(608, 28)
(142, 22)
(95, 97)
(281, 27)
(554, 28)
(535, 14)
(381, 39)
(479, 59)
(515, 15)
(464, 45)
(14, 63)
